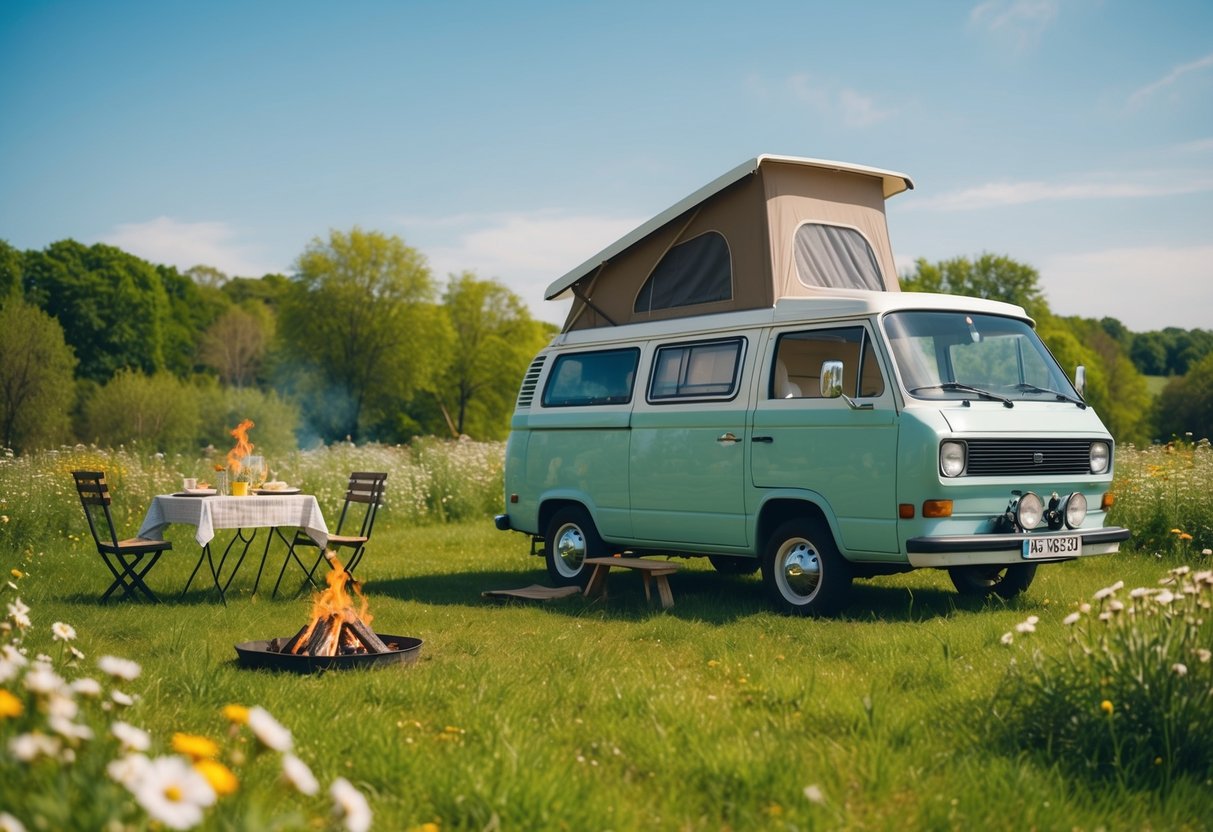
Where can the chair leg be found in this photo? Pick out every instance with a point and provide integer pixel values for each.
(291, 554)
(355, 559)
(130, 578)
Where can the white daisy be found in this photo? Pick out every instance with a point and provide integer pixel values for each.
(1071, 619)
(1179, 669)
(132, 738)
(19, 612)
(269, 730)
(299, 775)
(85, 686)
(1007, 637)
(63, 632)
(128, 770)
(123, 699)
(8, 823)
(172, 792)
(29, 747)
(119, 668)
(814, 794)
(350, 806)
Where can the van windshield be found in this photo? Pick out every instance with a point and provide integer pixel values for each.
(959, 355)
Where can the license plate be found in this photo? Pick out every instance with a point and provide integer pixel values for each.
(1052, 546)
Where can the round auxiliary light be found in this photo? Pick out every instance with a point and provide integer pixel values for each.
(1029, 511)
(1101, 455)
(1076, 510)
(952, 459)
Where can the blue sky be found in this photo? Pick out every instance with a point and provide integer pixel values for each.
(517, 139)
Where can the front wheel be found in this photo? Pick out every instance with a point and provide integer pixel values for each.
(802, 570)
(995, 579)
(571, 538)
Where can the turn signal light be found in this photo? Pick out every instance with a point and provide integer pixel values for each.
(905, 511)
(1109, 500)
(937, 508)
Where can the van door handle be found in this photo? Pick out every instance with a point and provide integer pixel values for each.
(766, 439)
(726, 438)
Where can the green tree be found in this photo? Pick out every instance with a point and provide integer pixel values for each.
(236, 343)
(275, 419)
(1186, 403)
(362, 320)
(991, 276)
(36, 389)
(112, 305)
(192, 308)
(157, 412)
(10, 271)
(495, 340)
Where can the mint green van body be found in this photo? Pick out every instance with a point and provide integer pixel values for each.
(844, 433)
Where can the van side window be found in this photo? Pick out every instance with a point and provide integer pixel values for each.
(796, 373)
(592, 378)
(695, 371)
(835, 256)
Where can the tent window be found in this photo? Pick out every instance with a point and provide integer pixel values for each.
(697, 271)
(836, 257)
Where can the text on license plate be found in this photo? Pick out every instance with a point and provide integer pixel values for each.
(1051, 546)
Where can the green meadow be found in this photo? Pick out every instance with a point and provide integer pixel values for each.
(917, 709)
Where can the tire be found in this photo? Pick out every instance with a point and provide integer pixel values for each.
(996, 579)
(571, 538)
(730, 565)
(802, 570)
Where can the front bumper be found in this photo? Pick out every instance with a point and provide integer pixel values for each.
(979, 549)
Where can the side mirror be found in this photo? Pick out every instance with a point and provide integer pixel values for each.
(831, 379)
(1080, 378)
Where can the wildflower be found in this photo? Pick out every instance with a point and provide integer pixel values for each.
(236, 714)
(10, 706)
(124, 669)
(299, 775)
(63, 632)
(350, 805)
(8, 823)
(71, 731)
(171, 792)
(1206, 552)
(1028, 625)
(76, 654)
(713, 663)
(29, 747)
(268, 730)
(1185, 536)
(1084, 608)
(132, 738)
(16, 573)
(1204, 654)
(814, 794)
(85, 686)
(1179, 669)
(221, 778)
(19, 612)
(127, 770)
(1071, 619)
(1108, 591)
(195, 747)
(1165, 597)
(1176, 531)
(1007, 638)
(1106, 706)
(42, 680)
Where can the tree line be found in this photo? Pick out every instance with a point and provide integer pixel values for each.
(1117, 361)
(360, 343)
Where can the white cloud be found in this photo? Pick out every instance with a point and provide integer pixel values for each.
(1021, 21)
(998, 194)
(1145, 287)
(829, 101)
(526, 252)
(186, 244)
(1149, 90)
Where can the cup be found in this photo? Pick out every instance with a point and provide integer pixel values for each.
(189, 483)
(239, 488)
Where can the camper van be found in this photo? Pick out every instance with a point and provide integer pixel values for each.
(741, 378)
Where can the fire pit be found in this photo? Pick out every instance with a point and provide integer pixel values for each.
(337, 637)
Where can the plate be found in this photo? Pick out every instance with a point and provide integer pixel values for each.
(197, 492)
(269, 492)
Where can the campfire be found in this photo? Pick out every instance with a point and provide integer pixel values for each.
(336, 628)
(338, 634)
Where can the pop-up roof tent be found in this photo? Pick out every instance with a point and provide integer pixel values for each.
(776, 226)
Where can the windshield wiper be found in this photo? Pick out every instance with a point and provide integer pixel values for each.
(1061, 397)
(965, 388)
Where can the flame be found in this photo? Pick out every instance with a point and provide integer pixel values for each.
(243, 447)
(337, 604)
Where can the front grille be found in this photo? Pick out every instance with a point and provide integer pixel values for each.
(1013, 457)
(527, 394)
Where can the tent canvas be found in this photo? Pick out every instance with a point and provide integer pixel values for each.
(776, 226)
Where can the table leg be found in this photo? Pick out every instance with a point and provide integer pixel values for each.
(663, 589)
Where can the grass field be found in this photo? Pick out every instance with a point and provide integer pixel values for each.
(575, 714)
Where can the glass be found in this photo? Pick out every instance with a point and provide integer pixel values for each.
(256, 469)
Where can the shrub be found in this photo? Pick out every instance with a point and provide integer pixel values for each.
(159, 412)
(1130, 693)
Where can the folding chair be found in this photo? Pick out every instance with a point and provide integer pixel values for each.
(365, 490)
(124, 558)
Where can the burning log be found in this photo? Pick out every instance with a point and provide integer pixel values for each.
(335, 628)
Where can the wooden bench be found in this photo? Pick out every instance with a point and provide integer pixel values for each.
(651, 570)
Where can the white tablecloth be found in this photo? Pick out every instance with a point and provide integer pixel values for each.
(257, 510)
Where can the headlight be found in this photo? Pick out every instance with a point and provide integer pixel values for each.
(1076, 510)
(952, 459)
(1101, 455)
(1029, 511)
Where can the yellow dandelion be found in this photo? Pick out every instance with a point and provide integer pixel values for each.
(195, 747)
(16, 573)
(1106, 706)
(1185, 536)
(426, 827)
(713, 663)
(10, 706)
(1177, 531)
(221, 778)
(1158, 761)
(237, 714)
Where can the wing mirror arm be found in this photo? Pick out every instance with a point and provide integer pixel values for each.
(831, 386)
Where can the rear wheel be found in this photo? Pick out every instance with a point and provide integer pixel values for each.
(994, 579)
(731, 565)
(571, 538)
(803, 572)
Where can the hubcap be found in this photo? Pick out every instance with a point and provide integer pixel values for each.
(570, 550)
(800, 570)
